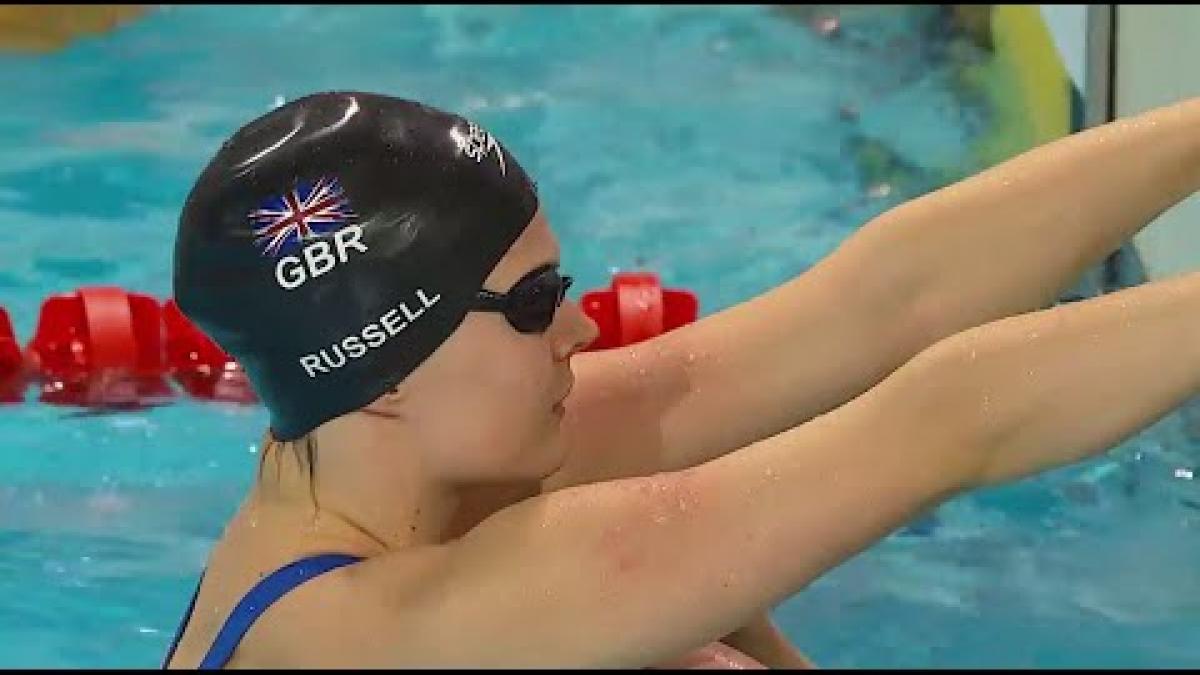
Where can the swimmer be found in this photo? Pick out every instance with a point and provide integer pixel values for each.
(447, 481)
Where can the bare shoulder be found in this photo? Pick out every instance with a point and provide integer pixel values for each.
(318, 622)
(364, 615)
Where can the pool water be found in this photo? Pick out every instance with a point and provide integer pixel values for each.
(726, 148)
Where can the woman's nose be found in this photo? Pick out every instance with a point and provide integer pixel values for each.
(573, 330)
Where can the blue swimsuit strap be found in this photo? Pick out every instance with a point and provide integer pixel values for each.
(252, 606)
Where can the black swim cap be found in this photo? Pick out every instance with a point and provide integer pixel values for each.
(333, 244)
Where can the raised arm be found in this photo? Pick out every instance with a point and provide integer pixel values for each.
(637, 571)
(1003, 242)
(1012, 238)
(1058, 385)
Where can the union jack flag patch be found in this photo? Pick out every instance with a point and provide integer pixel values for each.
(285, 222)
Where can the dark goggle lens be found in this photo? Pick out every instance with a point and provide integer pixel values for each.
(532, 303)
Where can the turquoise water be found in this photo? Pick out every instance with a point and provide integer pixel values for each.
(704, 143)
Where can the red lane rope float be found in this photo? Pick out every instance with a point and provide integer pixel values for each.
(99, 347)
(199, 365)
(636, 308)
(14, 376)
